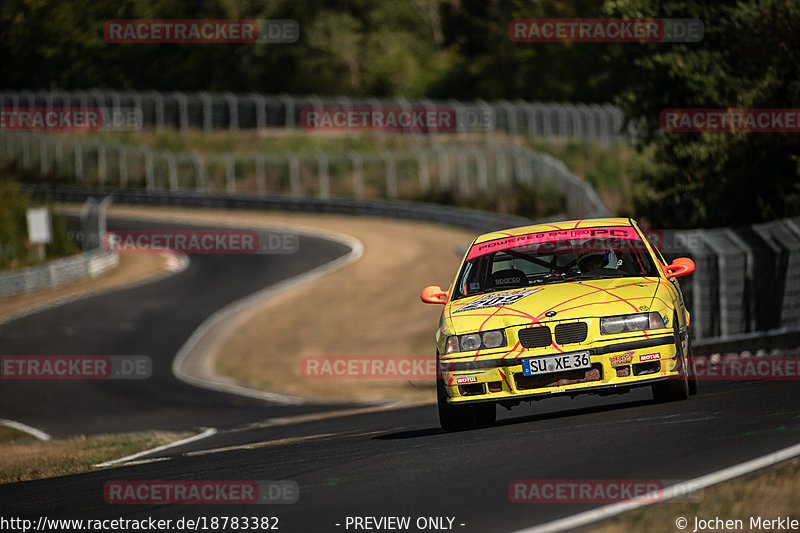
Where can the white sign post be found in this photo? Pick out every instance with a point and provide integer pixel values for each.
(39, 228)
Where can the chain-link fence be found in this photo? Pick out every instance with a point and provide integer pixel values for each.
(596, 123)
(409, 174)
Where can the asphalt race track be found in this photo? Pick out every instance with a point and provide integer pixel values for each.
(375, 464)
(153, 319)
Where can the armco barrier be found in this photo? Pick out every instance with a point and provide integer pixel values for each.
(747, 278)
(54, 273)
(479, 221)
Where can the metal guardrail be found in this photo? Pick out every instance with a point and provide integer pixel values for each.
(479, 221)
(58, 272)
(758, 342)
(729, 283)
(466, 171)
(747, 278)
(561, 121)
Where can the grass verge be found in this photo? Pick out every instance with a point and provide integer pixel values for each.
(22, 458)
(768, 494)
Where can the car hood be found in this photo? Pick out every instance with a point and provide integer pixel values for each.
(569, 300)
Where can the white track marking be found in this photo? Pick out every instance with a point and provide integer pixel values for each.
(19, 426)
(191, 364)
(681, 489)
(132, 458)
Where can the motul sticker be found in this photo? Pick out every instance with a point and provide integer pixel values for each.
(650, 357)
(496, 300)
(467, 379)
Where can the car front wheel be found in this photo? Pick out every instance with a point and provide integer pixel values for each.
(677, 387)
(462, 417)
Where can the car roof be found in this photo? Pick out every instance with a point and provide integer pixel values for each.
(554, 226)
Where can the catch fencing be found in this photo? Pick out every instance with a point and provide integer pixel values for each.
(408, 174)
(583, 123)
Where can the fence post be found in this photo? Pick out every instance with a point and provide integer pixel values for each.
(208, 112)
(77, 150)
(294, 173)
(324, 177)
(480, 163)
(230, 173)
(391, 174)
(422, 170)
(101, 163)
(201, 179)
(444, 167)
(172, 169)
(261, 178)
(122, 155)
(233, 112)
(150, 180)
(288, 110)
(260, 104)
(358, 173)
(183, 110)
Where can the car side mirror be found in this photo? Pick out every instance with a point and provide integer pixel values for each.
(680, 267)
(433, 295)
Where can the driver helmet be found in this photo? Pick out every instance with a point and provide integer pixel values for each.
(597, 259)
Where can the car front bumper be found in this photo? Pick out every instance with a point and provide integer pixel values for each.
(615, 367)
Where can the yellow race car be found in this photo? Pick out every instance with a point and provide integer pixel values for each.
(583, 306)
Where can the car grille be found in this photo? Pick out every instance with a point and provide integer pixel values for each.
(571, 332)
(535, 337)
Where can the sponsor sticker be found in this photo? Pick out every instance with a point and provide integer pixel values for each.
(497, 300)
(650, 357)
(466, 379)
(623, 359)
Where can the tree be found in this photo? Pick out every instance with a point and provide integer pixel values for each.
(749, 58)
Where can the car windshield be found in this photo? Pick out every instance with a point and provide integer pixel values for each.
(553, 257)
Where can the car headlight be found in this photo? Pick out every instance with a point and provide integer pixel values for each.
(613, 325)
(476, 341)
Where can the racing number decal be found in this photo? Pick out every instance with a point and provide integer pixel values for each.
(496, 300)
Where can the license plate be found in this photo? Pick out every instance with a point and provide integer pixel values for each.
(556, 363)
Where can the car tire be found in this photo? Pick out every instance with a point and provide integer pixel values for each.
(462, 417)
(693, 387)
(677, 387)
